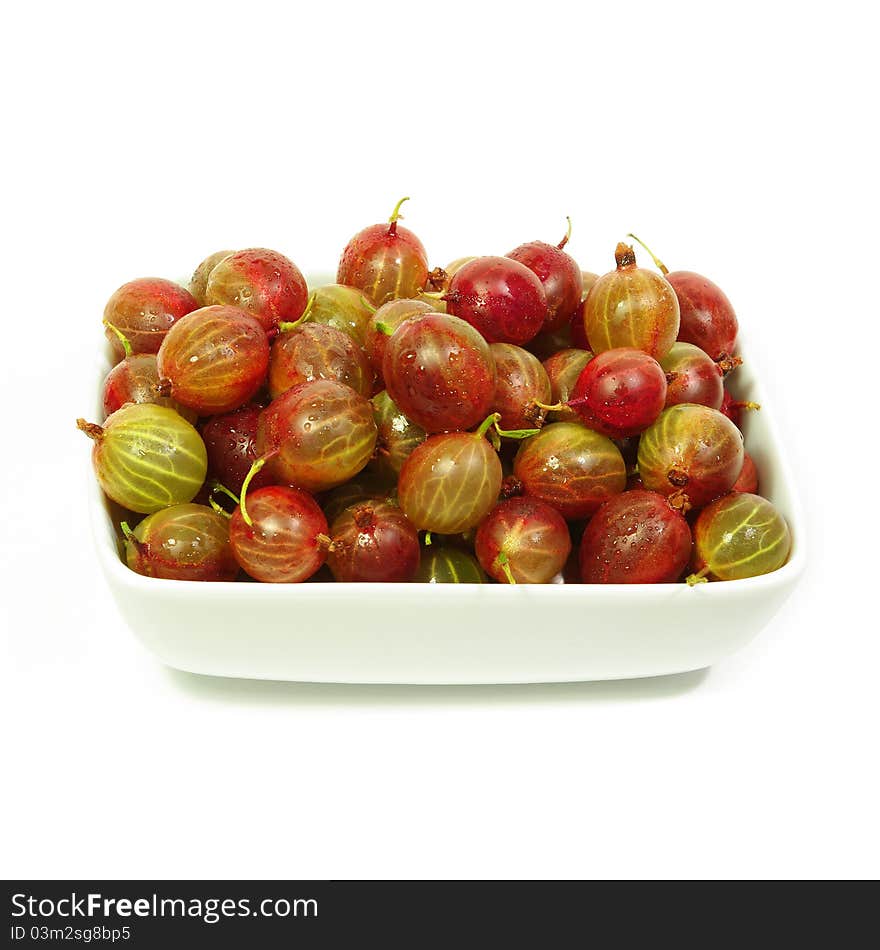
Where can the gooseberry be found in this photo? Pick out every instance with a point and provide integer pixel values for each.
(440, 372)
(316, 351)
(147, 457)
(385, 261)
(635, 538)
(692, 376)
(560, 277)
(373, 542)
(520, 384)
(143, 311)
(449, 565)
(747, 481)
(500, 297)
(343, 308)
(570, 467)
(388, 318)
(136, 379)
(563, 371)
(737, 536)
(198, 283)
(262, 282)
(691, 451)
(231, 443)
(397, 435)
(182, 543)
(214, 360)
(319, 434)
(523, 541)
(631, 307)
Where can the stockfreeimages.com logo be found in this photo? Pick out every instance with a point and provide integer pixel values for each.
(210, 910)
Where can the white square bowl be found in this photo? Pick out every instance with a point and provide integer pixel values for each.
(460, 633)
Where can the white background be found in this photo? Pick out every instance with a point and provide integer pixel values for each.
(737, 139)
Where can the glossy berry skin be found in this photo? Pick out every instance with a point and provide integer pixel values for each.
(500, 297)
(631, 307)
(315, 351)
(198, 283)
(620, 392)
(691, 449)
(215, 359)
(635, 538)
(563, 371)
(182, 543)
(549, 342)
(373, 542)
(369, 485)
(520, 382)
(398, 436)
(143, 311)
(692, 376)
(323, 433)
(447, 565)
(531, 536)
(147, 457)
(262, 282)
(384, 261)
(136, 379)
(390, 315)
(707, 317)
(283, 545)
(450, 482)
(747, 480)
(231, 442)
(344, 308)
(440, 372)
(740, 535)
(570, 467)
(560, 277)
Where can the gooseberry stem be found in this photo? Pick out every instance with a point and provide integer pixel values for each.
(383, 327)
(727, 364)
(91, 429)
(567, 237)
(325, 543)
(487, 423)
(490, 429)
(746, 405)
(516, 433)
(428, 539)
(437, 278)
(624, 256)
(698, 578)
(285, 326)
(219, 509)
(127, 533)
(664, 270)
(217, 486)
(123, 339)
(556, 408)
(395, 216)
(504, 564)
(254, 469)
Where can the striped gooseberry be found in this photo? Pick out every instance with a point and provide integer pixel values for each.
(635, 538)
(560, 277)
(385, 261)
(143, 311)
(147, 457)
(262, 282)
(136, 379)
(523, 541)
(183, 543)
(214, 360)
(373, 542)
(198, 283)
(440, 372)
(692, 376)
(631, 307)
(739, 535)
(449, 565)
(520, 383)
(343, 308)
(692, 452)
(570, 467)
(278, 534)
(320, 434)
(451, 481)
(313, 351)
(500, 297)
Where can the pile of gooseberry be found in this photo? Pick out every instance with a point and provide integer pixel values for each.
(506, 419)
